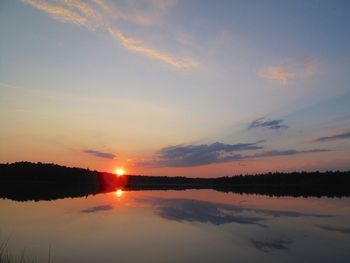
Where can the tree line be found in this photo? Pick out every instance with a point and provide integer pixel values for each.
(46, 181)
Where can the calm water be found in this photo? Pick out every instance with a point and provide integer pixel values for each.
(179, 226)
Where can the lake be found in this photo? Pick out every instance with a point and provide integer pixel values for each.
(178, 226)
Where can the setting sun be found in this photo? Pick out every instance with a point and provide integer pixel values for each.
(119, 172)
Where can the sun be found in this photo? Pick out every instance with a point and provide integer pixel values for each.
(119, 172)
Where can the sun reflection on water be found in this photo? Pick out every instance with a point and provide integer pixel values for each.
(119, 193)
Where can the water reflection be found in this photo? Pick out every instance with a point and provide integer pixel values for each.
(199, 211)
(97, 209)
(270, 244)
(119, 193)
(338, 229)
(201, 226)
(52, 191)
(215, 213)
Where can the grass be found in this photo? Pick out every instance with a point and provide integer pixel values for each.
(7, 257)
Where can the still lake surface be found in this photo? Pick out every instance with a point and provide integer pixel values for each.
(178, 226)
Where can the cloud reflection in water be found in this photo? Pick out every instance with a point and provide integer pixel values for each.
(97, 209)
(214, 213)
(268, 245)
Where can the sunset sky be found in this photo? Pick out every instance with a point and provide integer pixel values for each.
(194, 88)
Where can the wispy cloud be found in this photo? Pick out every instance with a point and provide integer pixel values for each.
(268, 124)
(59, 12)
(285, 152)
(283, 74)
(196, 155)
(280, 74)
(340, 136)
(101, 154)
(138, 47)
(145, 13)
(89, 11)
(99, 14)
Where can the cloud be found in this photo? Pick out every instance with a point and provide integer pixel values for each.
(97, 209)
(268, 124)
(268, 245)
(59, 12)
(99, 14)
(283, 74)
(101, 154)
(280, 74)
(341, 136)
(194, 155)
(285, 152)
(343, 230)
(85, 9)
(145, 13)
(138, 47)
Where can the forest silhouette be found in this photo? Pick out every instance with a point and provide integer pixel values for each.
(24, 181)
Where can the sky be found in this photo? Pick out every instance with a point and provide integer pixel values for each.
(185, 88)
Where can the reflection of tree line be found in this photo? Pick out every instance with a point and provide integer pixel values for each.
(331, 184)
(36, 181)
